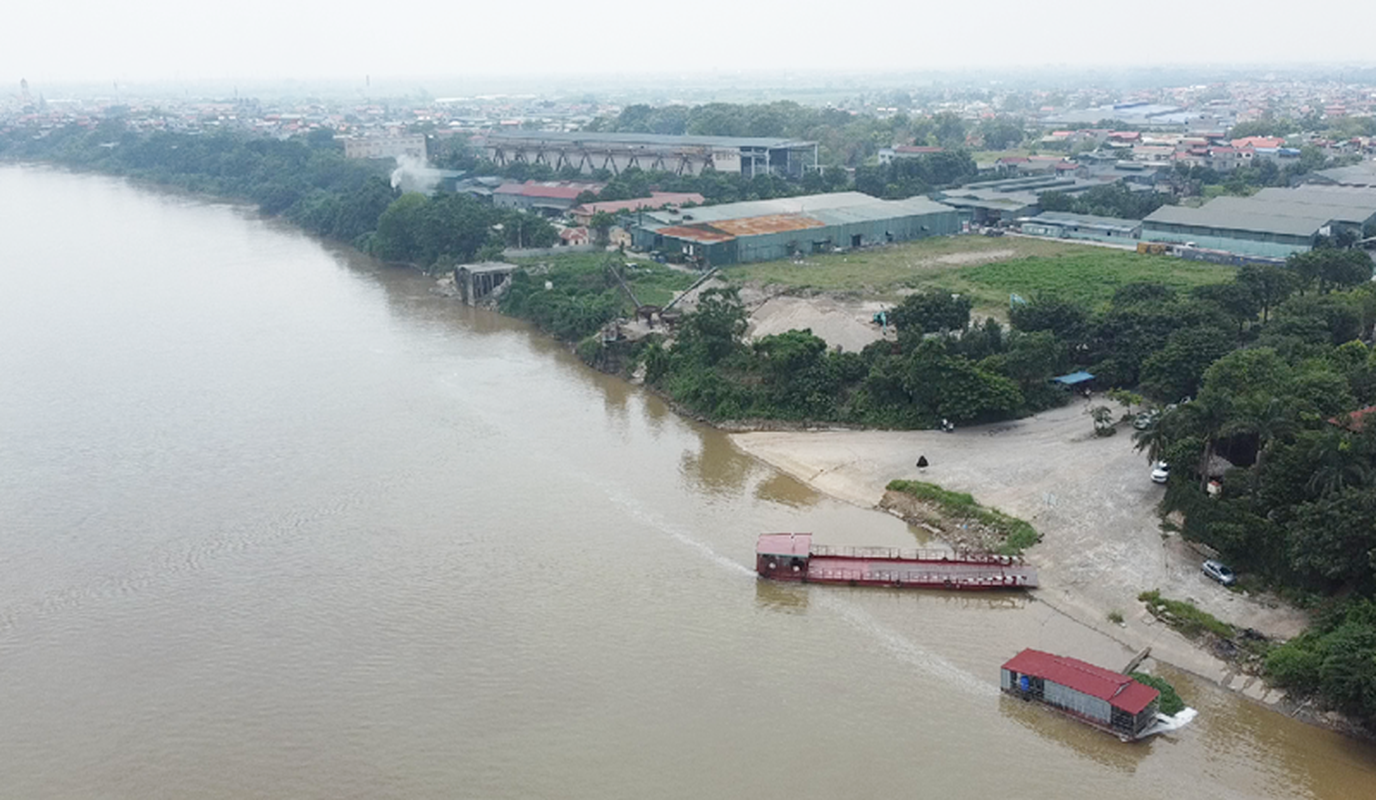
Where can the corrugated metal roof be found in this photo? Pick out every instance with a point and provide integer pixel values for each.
(830, 208)
(1118, 690)
(1363, 174)
(1361, 200)
(1226, 217)
(655, 139)
(1069, 218)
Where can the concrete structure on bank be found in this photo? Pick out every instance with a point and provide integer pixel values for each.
(483, 282)
(385, 147)
(765, 230)
(682, 155)
(1065, 225)
(1273, 223)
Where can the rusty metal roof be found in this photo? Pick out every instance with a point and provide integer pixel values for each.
(696, 233)
(771, 223)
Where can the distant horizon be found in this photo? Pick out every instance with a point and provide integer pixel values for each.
(452, 86)
(158, 41)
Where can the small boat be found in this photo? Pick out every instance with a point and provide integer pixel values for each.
(793, 557)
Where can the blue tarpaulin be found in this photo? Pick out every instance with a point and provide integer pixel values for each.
(1073, 378)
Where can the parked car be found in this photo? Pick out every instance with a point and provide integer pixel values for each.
(1146, 419)
(1219, 572)
(1160, 472)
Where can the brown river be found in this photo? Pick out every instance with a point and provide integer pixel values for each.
(278, 521)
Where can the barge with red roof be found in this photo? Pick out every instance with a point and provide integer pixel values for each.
(793, 557)
(1101, 698)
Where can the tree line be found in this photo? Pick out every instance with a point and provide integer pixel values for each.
(305, 179)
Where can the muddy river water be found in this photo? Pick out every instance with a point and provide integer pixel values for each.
(277, 521)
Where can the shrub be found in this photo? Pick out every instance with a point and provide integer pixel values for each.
(1185, 617)
(1018, 535)
(1171, 704)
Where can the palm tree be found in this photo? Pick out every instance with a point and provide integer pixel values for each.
(1268, 420)
(1156, 438)
(1208, 417)
(1339, 463)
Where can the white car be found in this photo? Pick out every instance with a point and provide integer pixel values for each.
(1219, 572)
(1160, 472)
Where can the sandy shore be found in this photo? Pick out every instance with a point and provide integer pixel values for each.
(1091, 499)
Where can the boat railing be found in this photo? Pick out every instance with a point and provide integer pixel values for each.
(905, 554)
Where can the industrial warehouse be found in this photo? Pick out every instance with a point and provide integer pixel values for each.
(765, 230)
(1273, 223)
(682, 155)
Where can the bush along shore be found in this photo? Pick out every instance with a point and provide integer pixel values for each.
(958, 519)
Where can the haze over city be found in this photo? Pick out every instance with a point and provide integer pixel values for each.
(709, 399)
(143, 40)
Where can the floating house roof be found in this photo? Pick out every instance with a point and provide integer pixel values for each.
(1118, 690)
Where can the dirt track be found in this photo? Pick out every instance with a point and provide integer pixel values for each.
(1091, 498)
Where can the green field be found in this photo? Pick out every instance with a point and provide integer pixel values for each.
(986, 268)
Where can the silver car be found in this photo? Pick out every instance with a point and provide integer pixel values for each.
(1219, 572)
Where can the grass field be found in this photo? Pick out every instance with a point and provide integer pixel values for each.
(986, 268)
(653, 284)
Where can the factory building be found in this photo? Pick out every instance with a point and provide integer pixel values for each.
(1273, 223)
(1065, 225)
(765, 230)
(682, 155)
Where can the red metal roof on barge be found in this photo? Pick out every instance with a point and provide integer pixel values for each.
(1120, 691)
(784, 544)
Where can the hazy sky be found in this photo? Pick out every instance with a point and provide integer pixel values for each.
(49, 41)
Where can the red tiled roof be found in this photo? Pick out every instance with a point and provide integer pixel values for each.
(1118, 690)
(553, 189)
(1259, 141)
(655, 200)
(918, 148)
(1354, 421)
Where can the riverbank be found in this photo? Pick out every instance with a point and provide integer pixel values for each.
(1091, 499)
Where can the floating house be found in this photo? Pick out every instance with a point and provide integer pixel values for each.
(1104, 699)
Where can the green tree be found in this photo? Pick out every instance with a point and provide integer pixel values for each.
(1175, 371)
(401, 228)
(602, 223)
(932, 310)
(1333, 538)
(1270, 285)
(714, 330)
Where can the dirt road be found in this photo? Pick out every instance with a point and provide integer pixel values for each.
(1091, 498)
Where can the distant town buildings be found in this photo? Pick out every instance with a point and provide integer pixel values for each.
(412, 146)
